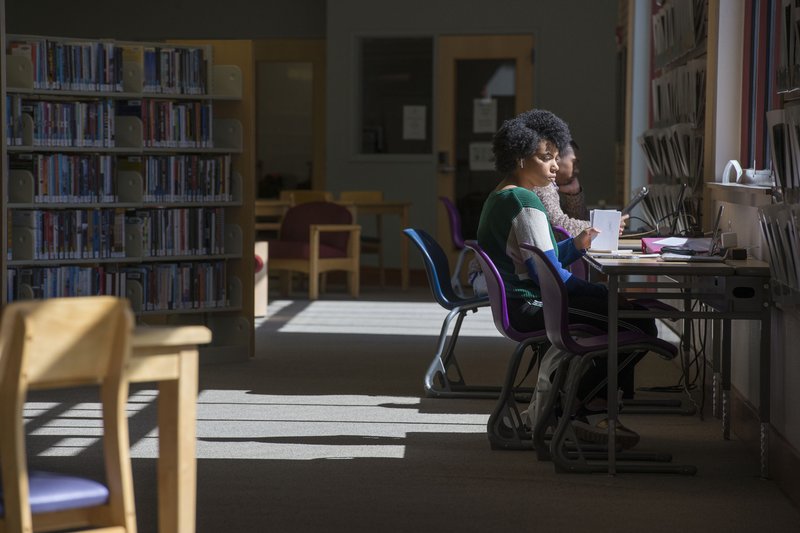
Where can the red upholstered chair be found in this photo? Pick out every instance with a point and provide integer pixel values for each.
(316, 237)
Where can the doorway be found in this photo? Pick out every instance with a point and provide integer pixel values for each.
(482, 80)
(290, 121)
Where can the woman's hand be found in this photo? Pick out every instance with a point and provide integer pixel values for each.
(584, 239)
(623, 221)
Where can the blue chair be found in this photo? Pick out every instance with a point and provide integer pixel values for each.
(583, 350)
(444, 377)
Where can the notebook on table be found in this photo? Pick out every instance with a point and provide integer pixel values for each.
(694, 246)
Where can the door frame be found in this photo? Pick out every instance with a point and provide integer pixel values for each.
(449, 49)
(305, 51)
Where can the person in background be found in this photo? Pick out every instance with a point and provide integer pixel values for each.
(563, 200)
(526, 150)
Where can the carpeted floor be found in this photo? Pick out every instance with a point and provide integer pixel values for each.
(327, 429)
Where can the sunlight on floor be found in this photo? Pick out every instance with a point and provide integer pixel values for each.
(241, 425)
(374, 318)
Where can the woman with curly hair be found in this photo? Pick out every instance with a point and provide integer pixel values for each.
(526, 150)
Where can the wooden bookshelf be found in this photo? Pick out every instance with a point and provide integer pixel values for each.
(127, 166)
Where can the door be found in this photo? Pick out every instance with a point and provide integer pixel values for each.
(290, 125)
(481, 81)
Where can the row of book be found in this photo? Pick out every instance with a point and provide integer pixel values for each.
(181, 231)
(68, 234)
(60, 281)
(88, 124)
(98, 66)
(169, 124)
(675, 152)
(71, 65)
(101, 233)
(183, 178)
(164, 287)
(69, 178)
(783, 126)
(181, 286)
(679, 94)
(14, 121)
(679, 27)
(171, 70)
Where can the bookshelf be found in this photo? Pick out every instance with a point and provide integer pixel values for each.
(126, 170)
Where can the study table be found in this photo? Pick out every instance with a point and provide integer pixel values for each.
(169, 356)
(399, 209)
(730, 290)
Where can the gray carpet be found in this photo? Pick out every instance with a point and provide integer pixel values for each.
(331, 432)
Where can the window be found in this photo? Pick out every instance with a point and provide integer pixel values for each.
(396, 95)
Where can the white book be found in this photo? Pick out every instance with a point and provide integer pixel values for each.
(607, 221)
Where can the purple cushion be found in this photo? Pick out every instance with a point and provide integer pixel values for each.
(51, 492)
(296, 222)
(301, 250)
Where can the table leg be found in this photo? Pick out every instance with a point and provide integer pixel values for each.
(764, 404)
(716, 396)
(404, 250)
(613, 348)
(726, 378)
(177, 462)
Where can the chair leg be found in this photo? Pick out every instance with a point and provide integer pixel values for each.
(286, 283)
(585, 459)
(353, 277)
(455, 280)
(313, 283)
(506, 428)
(444, 377)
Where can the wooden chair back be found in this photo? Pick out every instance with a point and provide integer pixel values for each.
(58, 343)
(303, 196)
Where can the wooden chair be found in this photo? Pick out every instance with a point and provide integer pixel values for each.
(302, 196)
(370, 244)
(58, 343)
(315, 238)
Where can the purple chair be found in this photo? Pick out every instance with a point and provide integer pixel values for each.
(458, 242)
(585, 349)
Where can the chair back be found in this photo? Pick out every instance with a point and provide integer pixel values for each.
(555, 302)
(65, 341)
(437, 267)
(302, 196)
(455, 222)
(579, 268)
(366, 197)
(57, 343)
(497, 294)
(297, 220)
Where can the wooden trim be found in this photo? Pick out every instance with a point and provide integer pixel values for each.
(449, 49)
(308, 51)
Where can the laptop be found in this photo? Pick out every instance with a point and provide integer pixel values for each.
(702, 249)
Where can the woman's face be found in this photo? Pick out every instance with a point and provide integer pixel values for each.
(540, 169)
(567, 167)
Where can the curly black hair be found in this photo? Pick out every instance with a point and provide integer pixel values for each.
(519, 137)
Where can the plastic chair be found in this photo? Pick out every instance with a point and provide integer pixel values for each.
(315, 238)
(444, 377)
(458, 242)
(585, 349)
(56, 344)
(370, 244)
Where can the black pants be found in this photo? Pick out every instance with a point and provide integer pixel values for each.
(526, 316)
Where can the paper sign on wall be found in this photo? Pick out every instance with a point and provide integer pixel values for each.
(480, 156)
(414, 122)
(484, 115)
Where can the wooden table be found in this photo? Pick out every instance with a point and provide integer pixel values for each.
(272, 211)
(400, 209)
(169, 356)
